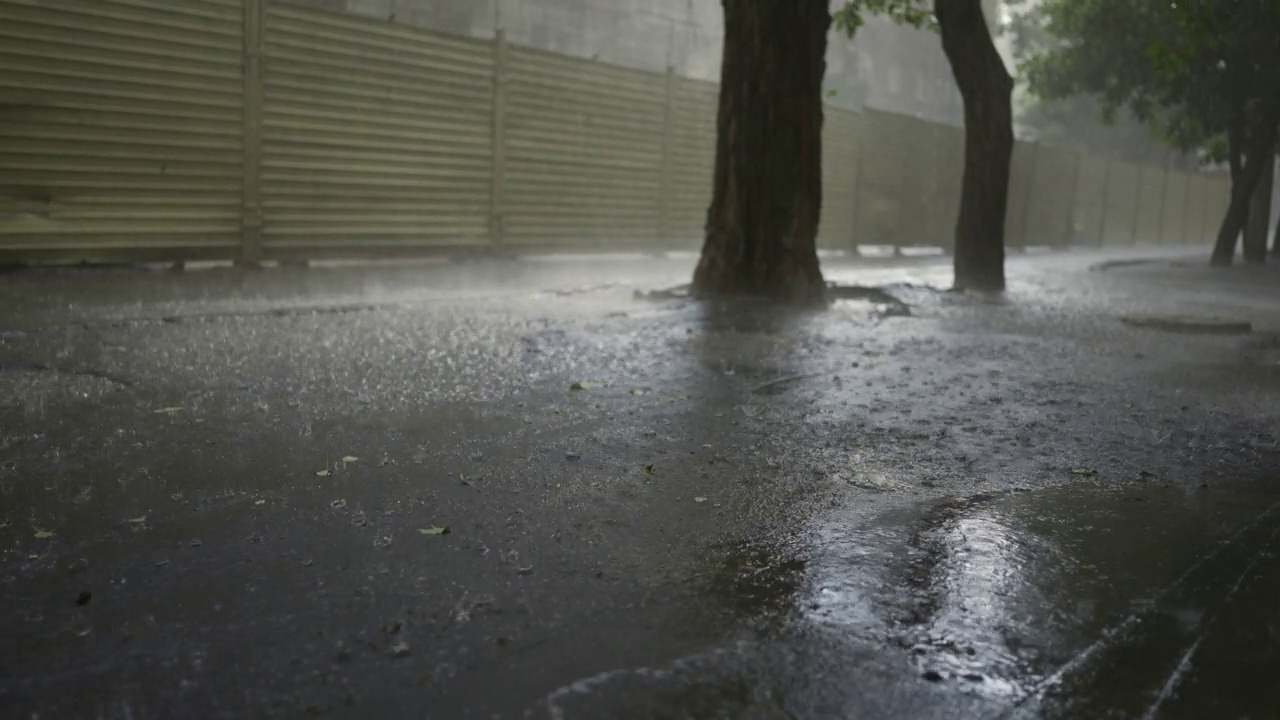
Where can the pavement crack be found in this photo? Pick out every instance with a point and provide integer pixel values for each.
(1184, 664)
(1114, 633)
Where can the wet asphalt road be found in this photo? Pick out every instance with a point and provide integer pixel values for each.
(515, 489)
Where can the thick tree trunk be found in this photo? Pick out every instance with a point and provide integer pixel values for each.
(1248, 156)
(1259, 222)
(763, 221)
(986, 89)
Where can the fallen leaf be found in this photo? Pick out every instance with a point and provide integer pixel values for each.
(648, 469)
(637, 391)
(169, 410)
(583, 385)
(138, 520)
(349, 458)
(261, 502)
(434, 530)
(399, 650)
(42, 534)
(322, 473)
(1085, 472)
(699, 499)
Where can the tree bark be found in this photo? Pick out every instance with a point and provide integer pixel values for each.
(762, 225)
(1275, 241)
(986, 88)
(1248, 155)
(1259, 222)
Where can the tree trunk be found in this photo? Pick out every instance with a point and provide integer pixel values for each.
(986, 89)
(1248, 156)
(1259, 222)
(763, 221)
(1275, 242)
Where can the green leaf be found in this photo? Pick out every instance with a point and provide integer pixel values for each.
(434, 530)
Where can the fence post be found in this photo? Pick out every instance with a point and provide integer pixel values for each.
(1070, 231)
(1164, 190)
(251, 200)
(857, 186)
(664, 181)
(1029, 194)
(1186, 206)
(1106, 202)
(498, 166)
(1207, 216)
(1137, 205)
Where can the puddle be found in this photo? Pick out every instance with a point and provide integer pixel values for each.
(1088, 601)
(1047, 599)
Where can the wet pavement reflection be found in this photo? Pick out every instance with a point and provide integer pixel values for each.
(1144, 600)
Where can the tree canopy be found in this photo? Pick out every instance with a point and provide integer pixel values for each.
(1076, 122)
(1191, 68)
(1202, 72)
(916, 13)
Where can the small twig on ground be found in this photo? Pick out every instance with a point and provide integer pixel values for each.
(783, 381)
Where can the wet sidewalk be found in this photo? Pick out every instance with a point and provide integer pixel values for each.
(495, 491)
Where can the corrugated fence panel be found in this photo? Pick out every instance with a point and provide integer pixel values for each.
(1150, 195)
(1021, 170)
(374, 135)
(839, 179)
(121, 125)
(691, 160)
(1122, 204)
(1219, 200)
(951, 177)
(123, 128)
(1174, 206)
(1089, 205)
(1198, 224)
(1219, 194)
(918, 199)
(1189, 210)
(1048, 220)
(1212, 217)
(584, 151)
(883, 144)
(1214, 209)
